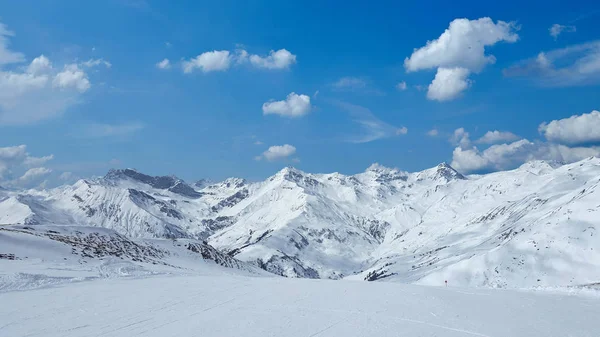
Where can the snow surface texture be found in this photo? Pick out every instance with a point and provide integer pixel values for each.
(533, 226)
(43, 256)
(234, 306)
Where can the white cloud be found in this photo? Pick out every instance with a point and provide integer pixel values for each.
(280, 59)
(401, 86)
(209, 61)
(258, 142)
(458, 52)
(448, 84)
(402, 131)
(96, 62)
(15, 159)
(508, 156)
(433, 133)
(357, 85)
(492, 137)
(350, 83)
(462, 45)
(223, 60)
(99, 130)
(461, 138)
(469, 160)
(34, 174)
(277, 152)
(39, 66)
(164, 64)
(557, 29)
(8, 56)
(372, 127)
(37, 161)
(72, 77)
(293, 106)
(577, 129)
(571, 66)
(13, 152)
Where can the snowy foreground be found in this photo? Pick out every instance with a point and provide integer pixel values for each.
(220, 305)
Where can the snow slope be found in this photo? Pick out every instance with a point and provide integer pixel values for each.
(532, 226)
(40, 256)
(222, 306)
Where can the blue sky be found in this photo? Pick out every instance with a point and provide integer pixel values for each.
(356, 94)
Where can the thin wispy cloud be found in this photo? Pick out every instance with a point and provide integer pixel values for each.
(574, 65)
(373, 128)
(113, 131)
(355, 85)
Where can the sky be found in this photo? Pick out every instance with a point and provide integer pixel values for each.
(204, 89)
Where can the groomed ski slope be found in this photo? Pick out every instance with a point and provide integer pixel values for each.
(222, 306)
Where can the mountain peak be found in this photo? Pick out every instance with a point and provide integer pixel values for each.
(378, 168)
(444, 170)
(202, 183)
(234, 182)
(161, 182)
(386, 174)
(171, 183)
(541, 165)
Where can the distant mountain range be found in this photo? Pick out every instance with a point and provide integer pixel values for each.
(535, 225)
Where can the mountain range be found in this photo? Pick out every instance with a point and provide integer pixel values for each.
(532, 226)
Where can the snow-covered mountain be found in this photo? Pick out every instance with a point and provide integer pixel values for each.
(535, 225)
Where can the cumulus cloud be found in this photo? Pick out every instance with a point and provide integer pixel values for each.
(280, 59)
(458, 52)
(37, 161)
(277, 152)
(223, 60)
(462, 45)
(460, 137)
(493, 137)
(401, 86)
(19, 169)
(433, 132)
(557, 29)
(216, 60)
(164, 64)
(37, 91)
(293, 106)
(511, 153)
(575, 65)
(509, 156)
(72, 77)
(448, 84)
(577, 129)
(34, 174)
(39, 66)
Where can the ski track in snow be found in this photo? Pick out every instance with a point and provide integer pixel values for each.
(224, 306)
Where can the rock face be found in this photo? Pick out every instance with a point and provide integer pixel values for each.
(535, 225)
